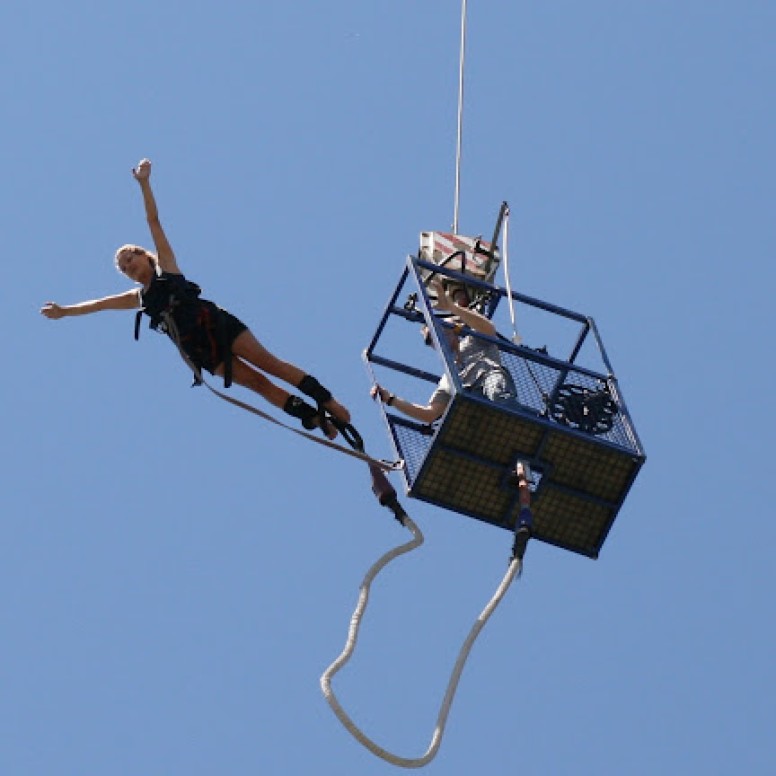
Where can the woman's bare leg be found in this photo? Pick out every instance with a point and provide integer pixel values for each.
(246, 346)
(244, 375)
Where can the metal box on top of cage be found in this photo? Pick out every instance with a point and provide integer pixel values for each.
(569, 421)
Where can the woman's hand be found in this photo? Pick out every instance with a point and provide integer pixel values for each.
(52, 311)
(143, 170)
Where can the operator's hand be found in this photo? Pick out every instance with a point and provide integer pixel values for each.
(444, 302)
(378, 391)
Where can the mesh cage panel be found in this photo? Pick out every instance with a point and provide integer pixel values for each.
(568, 424)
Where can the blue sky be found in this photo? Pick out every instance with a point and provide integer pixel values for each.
(176, 574)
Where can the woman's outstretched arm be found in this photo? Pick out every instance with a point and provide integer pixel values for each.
(129, 300)
(164, 252)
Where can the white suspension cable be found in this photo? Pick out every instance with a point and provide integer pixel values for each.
(459, 141)
(516, 338)
(355, 623)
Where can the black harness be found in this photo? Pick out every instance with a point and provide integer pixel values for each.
(169, 294)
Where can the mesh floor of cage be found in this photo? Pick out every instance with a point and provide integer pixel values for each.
(464, 467)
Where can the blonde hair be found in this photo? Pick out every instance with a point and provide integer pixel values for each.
(137, 250)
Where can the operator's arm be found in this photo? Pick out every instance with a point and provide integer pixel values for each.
(425, 413)
(470, 318)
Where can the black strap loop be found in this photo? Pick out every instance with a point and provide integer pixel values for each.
(348, 431)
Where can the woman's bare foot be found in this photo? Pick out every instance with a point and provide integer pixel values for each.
(337, 410)
(326, 426)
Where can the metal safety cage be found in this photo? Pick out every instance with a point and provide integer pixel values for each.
(569, 423)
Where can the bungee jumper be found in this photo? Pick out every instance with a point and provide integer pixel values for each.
(208, 337)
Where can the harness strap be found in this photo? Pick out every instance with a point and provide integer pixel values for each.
(298, 408)
(222, 338)
(226, 347)
(309, 385)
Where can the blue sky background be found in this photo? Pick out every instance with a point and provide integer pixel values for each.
(176, 575)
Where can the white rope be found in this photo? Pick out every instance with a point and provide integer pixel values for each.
(350, 645)
(459, 140)
(516, 338)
